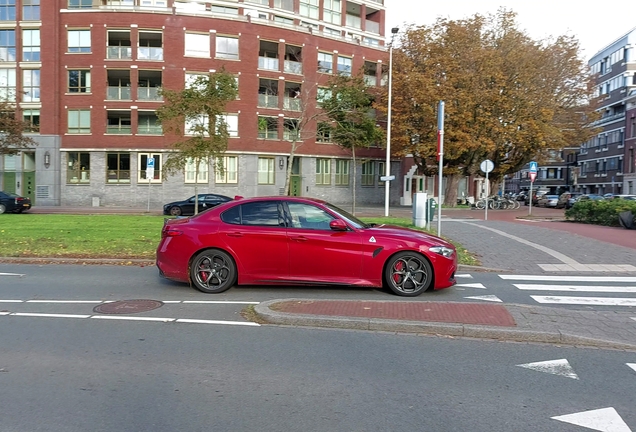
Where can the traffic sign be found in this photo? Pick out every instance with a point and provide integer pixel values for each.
(533, 175)
(387, 178)
(533, 167)
(487, 166)
(150, 168)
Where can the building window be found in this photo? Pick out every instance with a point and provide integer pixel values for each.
(118, 122)
(80, 4)
(148, 123)
(344, 65)
(31, 85)
(291, 131)
(283, 20)
(342, 172)
(265, 170)
(309, 8)
(197, 45)
(325, 62)
(191, 171)
(331, 11)
(30, 10)
(79, 41)
(31, 45)
(284, 4)
(142, 168)
(197, 126)
(32, 117)
(227, 47)
(118, 167)
(227, 169)
(323, 133)
(268, 127)
(368, 173)
(79, 81)
(381, 172)
(7, 45)
(79, 167)
(150, 45)
(79, 121)
(231, 123)
(7, 10)
(7, 85)
(224, 10)
(323, 171)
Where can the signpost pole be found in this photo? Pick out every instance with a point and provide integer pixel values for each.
(487, 194)
(150, 173)
(440, 158)
(533, 175)
(530, 197)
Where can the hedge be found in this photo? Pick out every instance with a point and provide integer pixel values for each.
(600, 212)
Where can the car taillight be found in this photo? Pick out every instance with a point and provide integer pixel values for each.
(170, 232)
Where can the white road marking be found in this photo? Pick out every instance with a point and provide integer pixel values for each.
(469, 276)
(556, 367)
(614, 268)
(568, 278)
(604, 420)
(67, 301)
(11, 301)
(12, 274)
(580, 288)
(490, 298)
(595, 301)
(196, 321)
(471, 285)
(45, 315)
(130, 318)
(5, 313)
(218, 302)
(631, 365)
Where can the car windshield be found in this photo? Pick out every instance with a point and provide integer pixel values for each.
(351, 219)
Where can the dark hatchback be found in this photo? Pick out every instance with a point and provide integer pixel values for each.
(10, 202)
(186, 207)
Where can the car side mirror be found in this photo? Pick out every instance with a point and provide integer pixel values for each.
(338, 225)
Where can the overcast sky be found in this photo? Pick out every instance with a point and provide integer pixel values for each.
(595, 25)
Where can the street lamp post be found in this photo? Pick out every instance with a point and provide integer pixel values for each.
(387, 182)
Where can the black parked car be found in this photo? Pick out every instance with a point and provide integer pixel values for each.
(186, 208)
(10, 202)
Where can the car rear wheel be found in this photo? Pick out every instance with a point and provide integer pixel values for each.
(175, 211)
(408, 274)
(213, 271)
(3, 208)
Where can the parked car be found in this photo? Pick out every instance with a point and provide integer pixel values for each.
(567, 199)
(548, 201)
(186, 207)
(300, 241)
(535, 197)
(10, 202)
(627, 197)
(590, 197)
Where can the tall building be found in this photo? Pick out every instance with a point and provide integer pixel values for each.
(602, 160)
(86, 73)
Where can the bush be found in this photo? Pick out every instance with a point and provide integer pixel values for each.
(600, 212)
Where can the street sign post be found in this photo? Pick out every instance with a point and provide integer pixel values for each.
(487, 166)
(533, 175)
(150, 174)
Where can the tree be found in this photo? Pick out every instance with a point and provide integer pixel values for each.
(196, 115)
(12, 129)
(350, 109)
(508, 98)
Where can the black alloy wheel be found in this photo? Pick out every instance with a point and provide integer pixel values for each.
(408, 274)
(175, 211)
(213, 271)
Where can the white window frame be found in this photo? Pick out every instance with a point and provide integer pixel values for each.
(323, 172)
(191, 123)
(343, 165)
(231, 120)
(31, 82)
(83, 125)
(141, 169)
(190, 172)
(266, 170)
(229, 174)
(31, 41)
(197, 45)
(8, 83)
(222, 41)
(78, 40)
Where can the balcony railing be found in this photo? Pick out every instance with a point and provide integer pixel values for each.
(372, 27)
(268, 134)
(148, 94)
(268, 63)
(118, 53)
(291, 135)
(149, 53)
(150, 130)
(268, 101)
(119, 130)
(608, 119)
(354, 21)
(291, 104)
(370, 80)
(118, 93)
(293, 67)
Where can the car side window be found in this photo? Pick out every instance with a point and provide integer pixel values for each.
(261, 213)
(308, 216)
(232, 215)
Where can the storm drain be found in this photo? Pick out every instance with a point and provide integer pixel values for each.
(127, 307)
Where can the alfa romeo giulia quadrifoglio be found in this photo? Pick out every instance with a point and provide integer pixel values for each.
(300, 241)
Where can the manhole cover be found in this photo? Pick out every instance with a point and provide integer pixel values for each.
(127, 306)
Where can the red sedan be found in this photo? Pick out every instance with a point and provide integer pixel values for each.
(300, 241)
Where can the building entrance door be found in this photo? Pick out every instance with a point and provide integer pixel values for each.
(295, 185)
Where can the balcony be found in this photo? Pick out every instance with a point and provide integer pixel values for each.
(268, 134)
(119, 130)
(268, 63)
(293, 67)
(608, 119)
(291, 104)
(149, 130)
(372, 27)
(149, 53)
(267, 101)
(148, 94)
(118, 93)
(118, 53)
(370, 80)
(353, 21)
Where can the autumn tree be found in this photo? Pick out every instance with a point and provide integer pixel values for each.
(196, 115)
(508, 98)
(12, 129)
(349, 107)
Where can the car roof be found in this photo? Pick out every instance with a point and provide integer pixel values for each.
(281, 198)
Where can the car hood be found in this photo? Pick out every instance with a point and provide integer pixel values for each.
(407, 234)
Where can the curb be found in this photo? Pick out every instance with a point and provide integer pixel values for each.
(83, 261)
(270, 316)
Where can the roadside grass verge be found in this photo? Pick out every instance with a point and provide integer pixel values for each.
(106, 236)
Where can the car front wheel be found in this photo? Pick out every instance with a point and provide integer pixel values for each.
(408, 274)
(3, 208)
(175, 211)
(213, 271)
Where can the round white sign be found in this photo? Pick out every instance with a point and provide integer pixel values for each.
(487, 166)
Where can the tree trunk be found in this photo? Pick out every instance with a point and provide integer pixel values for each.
(450, 193)
(196, 187)
(290, 164)
(353, 204)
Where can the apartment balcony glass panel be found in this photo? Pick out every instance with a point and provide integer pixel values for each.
(148, 94)
(291, 104)
(149, 130)
(267, 101)
(370, 80)
(119, 130)
(353, 21)
(118, 53)
(118, 93)
(293, 67)
(268, 63)
(268, 134)
(150, 53)
(372, 27)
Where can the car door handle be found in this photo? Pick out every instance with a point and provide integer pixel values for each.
(235, 234)
(300, 238)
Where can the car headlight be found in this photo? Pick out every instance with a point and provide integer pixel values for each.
(442, 250)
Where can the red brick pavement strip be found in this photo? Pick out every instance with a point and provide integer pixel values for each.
(480, 314)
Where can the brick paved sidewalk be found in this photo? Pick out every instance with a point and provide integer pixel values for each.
(522, 323)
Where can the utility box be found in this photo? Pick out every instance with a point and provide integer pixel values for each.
(432, 205)
(420, 200)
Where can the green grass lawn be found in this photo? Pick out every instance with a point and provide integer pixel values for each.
(104, 236)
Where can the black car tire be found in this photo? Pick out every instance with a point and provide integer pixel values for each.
(175, 211)
(3, 208)
(408, 274)
(213, 271)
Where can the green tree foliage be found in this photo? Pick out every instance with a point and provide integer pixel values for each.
(349, 109)
(196, 116)
(12, 129)
(508, 98)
